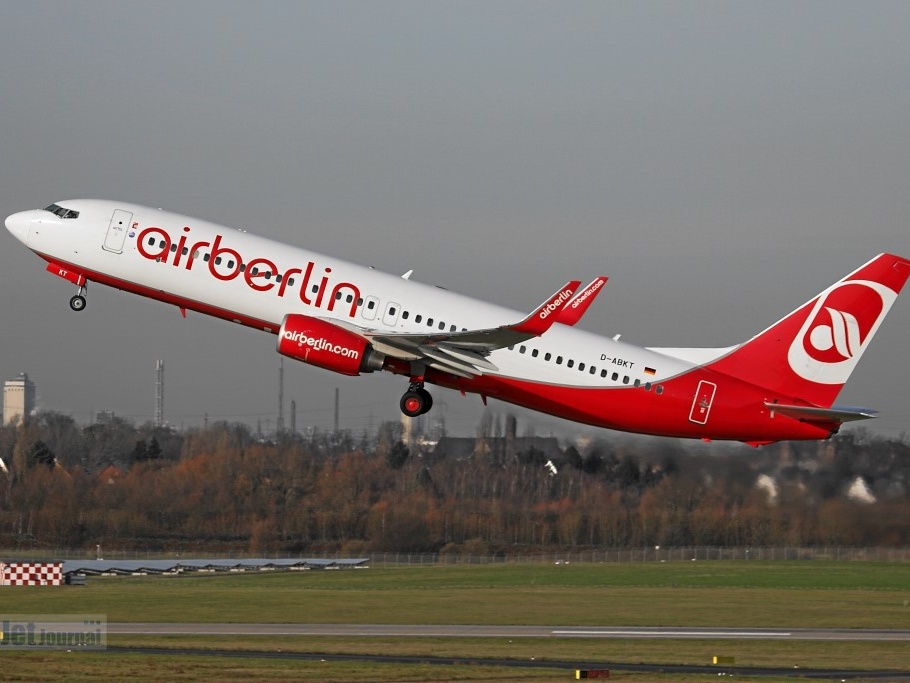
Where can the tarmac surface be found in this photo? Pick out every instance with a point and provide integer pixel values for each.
(478, 631)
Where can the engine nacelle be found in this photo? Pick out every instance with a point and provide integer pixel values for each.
(325, 345)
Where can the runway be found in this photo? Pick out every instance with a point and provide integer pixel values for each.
(483, 631)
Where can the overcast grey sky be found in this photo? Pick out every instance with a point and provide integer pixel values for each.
(721, 162)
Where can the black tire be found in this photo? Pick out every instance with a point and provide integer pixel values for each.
(77, 303)
(413, 403)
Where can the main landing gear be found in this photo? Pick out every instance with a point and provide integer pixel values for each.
(416, 400)
(77, 303)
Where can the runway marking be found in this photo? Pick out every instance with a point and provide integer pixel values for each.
(679, 634)
(499, 631)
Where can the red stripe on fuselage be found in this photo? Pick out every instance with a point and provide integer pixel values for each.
(168, 297)
(738, 411)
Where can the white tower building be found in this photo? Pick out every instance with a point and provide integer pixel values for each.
(18, 399)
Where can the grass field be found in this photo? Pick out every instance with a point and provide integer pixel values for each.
(733, 594)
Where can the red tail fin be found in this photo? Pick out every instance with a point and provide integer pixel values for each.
(810, 354)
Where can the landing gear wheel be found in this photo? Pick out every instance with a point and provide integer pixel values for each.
(77, 303)
(416, 402)
(412, 404)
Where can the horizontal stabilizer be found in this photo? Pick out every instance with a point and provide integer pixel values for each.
(815, 414)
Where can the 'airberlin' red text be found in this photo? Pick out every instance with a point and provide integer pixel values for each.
(260, 274)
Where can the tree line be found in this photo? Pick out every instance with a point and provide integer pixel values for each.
(225, 488)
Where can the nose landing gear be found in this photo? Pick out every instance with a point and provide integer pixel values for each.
(77, 303)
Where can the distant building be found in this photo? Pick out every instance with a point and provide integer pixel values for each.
(18, 399)
(104, 417)
(498, 448)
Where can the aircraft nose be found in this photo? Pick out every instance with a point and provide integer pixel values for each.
(18, 224)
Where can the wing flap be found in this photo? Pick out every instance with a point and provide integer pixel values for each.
(436, 356)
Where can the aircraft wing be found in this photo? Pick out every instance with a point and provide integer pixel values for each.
(464, 353)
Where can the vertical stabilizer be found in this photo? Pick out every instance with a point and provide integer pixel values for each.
(810, 354)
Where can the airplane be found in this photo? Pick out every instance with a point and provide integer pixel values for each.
(779, 385)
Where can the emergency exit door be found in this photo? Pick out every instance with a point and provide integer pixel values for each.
(701, 404)
(116, 231)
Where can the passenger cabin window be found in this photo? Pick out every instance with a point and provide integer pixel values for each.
(369, 311)
(390, 317)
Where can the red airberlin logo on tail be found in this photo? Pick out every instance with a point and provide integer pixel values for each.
(837, 330)
(843, 323)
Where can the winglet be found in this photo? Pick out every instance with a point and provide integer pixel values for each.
(579, 303)
(548, 312)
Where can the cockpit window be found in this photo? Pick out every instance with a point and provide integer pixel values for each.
(61, 212)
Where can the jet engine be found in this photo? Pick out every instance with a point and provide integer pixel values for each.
(321, 343)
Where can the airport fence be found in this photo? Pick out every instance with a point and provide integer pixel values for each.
(596, 556)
